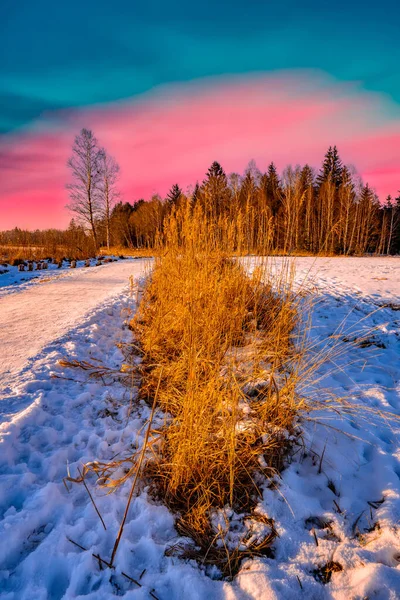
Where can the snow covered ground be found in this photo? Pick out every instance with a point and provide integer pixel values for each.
(342, 511)
(37, 312)
(12, 280)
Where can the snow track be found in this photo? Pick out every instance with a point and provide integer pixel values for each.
(349, 501)
(39, 314)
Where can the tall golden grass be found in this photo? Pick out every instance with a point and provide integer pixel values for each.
(228, 363)
(216, 337)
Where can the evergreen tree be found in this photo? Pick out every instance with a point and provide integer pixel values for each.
(367, 220)
(368, 195)
(347, 178)
(195, 193)
(307, 177)
(332, 168)
(215, 171)
(273, 189)
(216, 191)
(174, 194)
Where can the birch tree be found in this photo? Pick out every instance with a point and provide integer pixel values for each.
(85, 166)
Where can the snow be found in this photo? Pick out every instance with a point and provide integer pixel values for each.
(12, 280)
(31, 316)
(57, 418)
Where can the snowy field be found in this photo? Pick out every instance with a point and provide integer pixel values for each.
(12, 280)
(35, 312)
(342, 510)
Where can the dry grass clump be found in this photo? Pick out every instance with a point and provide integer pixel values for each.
(216, 342)
(215, 549)
(228, 372)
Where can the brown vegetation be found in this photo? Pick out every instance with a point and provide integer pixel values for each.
(218, 360)
(229, 372)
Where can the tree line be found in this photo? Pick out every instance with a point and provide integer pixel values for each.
(330, 211)
(300, 210)
(73, 242)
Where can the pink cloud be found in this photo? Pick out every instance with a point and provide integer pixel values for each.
(173, 134)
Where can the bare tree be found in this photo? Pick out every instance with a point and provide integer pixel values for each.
(108, 193)
(85, 165)
(292, 202)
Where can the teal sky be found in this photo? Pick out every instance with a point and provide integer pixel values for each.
(168, 87)
(59, 55)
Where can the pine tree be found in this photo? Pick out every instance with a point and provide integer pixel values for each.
(174, 194)
(367, 225)
(307, 177)
(215, 171)
(273, 189)
(216, 191)
(331, 169)
(195, 193)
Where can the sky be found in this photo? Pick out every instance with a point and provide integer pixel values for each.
(169, 87)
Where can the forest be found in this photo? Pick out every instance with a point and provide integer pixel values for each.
(298, 211)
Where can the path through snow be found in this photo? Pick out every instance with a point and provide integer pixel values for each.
(37, 315)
